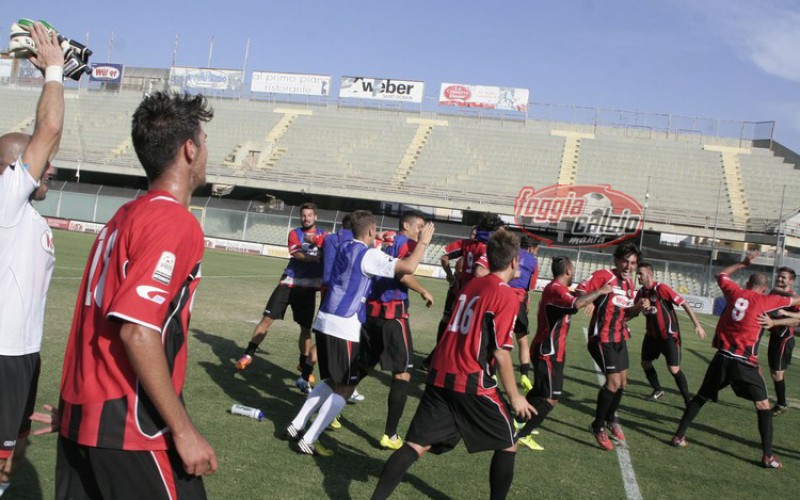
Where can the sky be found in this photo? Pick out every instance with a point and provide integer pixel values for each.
(728, 59)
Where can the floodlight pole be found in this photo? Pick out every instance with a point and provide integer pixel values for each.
(777, 261)
(644, 213)
(713, 240)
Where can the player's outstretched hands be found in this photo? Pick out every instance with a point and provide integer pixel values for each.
(523, 410)
(50, 419)
(750, 257)
(196, 453)
(765, 321)
(426, 233)
(48, 50)
(606, 289)
(428, 298)
(700, 332)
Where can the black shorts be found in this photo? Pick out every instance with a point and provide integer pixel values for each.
(86, 472)
(611, 357)
(302, 300)
(745, 380)
(449, 302)
(387, 341)
(548, 377)
(444, 417)
(338, 359)
(19, 376)
(779, 352)
(521, 327)
(652, 348)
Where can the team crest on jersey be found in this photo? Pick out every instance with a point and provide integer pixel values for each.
(164, 268)
(578, 216)
(47, 242)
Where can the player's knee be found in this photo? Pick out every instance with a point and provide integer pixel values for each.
(402, 376)
(776, 375)
(674, 370)
(421, 450)
(553, 402)
(762, 405)
(647, 364)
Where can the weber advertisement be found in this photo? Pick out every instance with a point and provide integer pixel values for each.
(106, 73)
(360, 87)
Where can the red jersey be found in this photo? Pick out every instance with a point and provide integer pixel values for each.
(608, 322)
(738, 332)
(474, 254)
(555, 308)
(661, 321)
(783, 331)
(144, 268)
(482, 322)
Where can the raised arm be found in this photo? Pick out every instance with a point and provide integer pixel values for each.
(50, 112)
(410, 263)
(748, 259)
(587, 298)
(413, 283)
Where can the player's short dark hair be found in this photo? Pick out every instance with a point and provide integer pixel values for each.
(361, 221)
(560, 265)
(625, 250)
(162, 123)
(757, 280)
(525, 242)
(490, 221)
(789, 271)
(645, 265)
(501, 249)
(409, 217)
(308, 206)
(347, 222)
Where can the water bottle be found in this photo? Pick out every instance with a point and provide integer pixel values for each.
(247, 411)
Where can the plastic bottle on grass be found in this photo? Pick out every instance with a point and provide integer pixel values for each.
(247, 411)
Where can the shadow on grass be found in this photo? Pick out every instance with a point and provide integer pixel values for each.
(280, 405)
(25, 483)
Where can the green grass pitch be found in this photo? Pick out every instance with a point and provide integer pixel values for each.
(721, 462)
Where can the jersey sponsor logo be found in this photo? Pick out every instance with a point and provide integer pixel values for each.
(621, 301)
(47, 242)
(151, 293)
(8, 444)
(578, 216)
(164, 268)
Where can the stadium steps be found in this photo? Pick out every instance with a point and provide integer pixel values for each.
(275, 135)
(409, 161)
(571, 155)
(24, 125)
(733, 180)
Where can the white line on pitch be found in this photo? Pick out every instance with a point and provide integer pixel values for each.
(625, 465)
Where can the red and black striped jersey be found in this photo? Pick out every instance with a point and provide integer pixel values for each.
(608, 323)
(783, 331)
(661, 320)
(738, 331)
(553, 319)
(473, 253)
(482, 322)
(144, 268)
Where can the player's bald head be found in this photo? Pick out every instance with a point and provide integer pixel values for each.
(757, 281)
(11, 146)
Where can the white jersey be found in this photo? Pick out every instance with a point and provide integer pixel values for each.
(27, 258)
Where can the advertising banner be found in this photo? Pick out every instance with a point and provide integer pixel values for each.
(5, 67)
(360, 87)
(205, 78)
(290, 83)
(481, 96)
(106, 73)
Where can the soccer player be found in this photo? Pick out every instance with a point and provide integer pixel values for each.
(662, 330)
(386, 334)
(471, 255)
(462, 398)
(736, 360)
(298, 287)
(522, 285)
(125, 432)
(27, 256)
(608, 336)
(548, 350)
(781, 343)
(338, 325)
